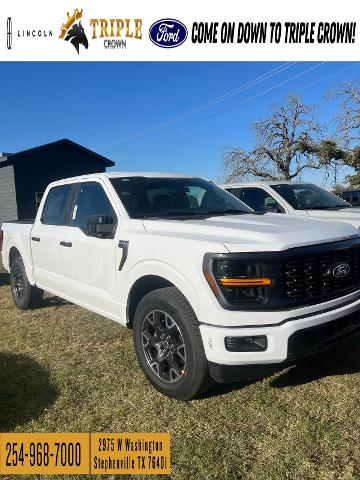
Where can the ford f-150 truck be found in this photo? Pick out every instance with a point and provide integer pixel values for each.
(295, 198)
(211, 290)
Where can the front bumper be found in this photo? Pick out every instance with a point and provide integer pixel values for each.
(292, 338)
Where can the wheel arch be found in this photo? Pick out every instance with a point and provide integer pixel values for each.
(18, 250)
(13, 253)
(139, 289)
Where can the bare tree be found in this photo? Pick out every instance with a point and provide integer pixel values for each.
(287, 143)
(348, 119)
(348, 128)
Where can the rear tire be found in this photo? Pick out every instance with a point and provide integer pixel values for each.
(25, 296)
(168, 344)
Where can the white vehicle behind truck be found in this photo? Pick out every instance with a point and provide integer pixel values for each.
(295, 198)
(211, 290)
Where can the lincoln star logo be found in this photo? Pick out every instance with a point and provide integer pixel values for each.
(73, 31)
(9, 33)
(340, 270)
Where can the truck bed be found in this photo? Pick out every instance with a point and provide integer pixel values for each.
(18, 234)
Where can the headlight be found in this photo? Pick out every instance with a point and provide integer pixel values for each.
(236, 281)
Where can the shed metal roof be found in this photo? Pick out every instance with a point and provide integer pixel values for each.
(76, 146)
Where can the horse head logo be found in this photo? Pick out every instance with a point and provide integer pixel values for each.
(76, 35)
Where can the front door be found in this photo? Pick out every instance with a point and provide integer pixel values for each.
(91, 263)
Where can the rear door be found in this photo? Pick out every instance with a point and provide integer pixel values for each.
(51, 228)
(90, 261)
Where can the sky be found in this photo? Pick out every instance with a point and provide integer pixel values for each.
(152, 116)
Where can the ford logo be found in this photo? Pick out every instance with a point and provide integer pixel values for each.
(168, 33)
(341, 270)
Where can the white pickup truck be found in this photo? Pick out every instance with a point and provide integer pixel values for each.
(295, 198)
(211, 290)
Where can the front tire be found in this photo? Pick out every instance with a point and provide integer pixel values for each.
(25, 296)
(168, 344)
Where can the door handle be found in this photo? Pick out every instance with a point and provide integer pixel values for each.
(35, 239)
(66, 244)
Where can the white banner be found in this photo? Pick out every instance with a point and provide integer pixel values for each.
(84, 30)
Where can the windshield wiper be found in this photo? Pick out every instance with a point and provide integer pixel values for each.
(226, 211)
(178, 214)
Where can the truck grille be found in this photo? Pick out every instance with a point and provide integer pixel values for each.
(311, 277)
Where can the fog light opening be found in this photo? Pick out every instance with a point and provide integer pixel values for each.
(252, 343)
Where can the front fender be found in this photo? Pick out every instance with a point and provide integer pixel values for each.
(193, 287)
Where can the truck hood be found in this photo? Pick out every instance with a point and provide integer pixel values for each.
(347, 215)
(249, 232)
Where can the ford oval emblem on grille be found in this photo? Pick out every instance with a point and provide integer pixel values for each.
(168, 33)
(341, 270)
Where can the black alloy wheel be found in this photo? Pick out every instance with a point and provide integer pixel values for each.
(18, 284)
(24, 294)
(163, 346)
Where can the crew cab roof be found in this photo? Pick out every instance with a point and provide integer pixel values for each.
(147, 174)
(121, 175)
(265, 182)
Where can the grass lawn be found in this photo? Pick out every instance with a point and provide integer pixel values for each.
(65, 369)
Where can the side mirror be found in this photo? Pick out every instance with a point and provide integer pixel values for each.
(100, 225)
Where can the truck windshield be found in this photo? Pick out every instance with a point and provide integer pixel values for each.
(146, 197)
(306, 196)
